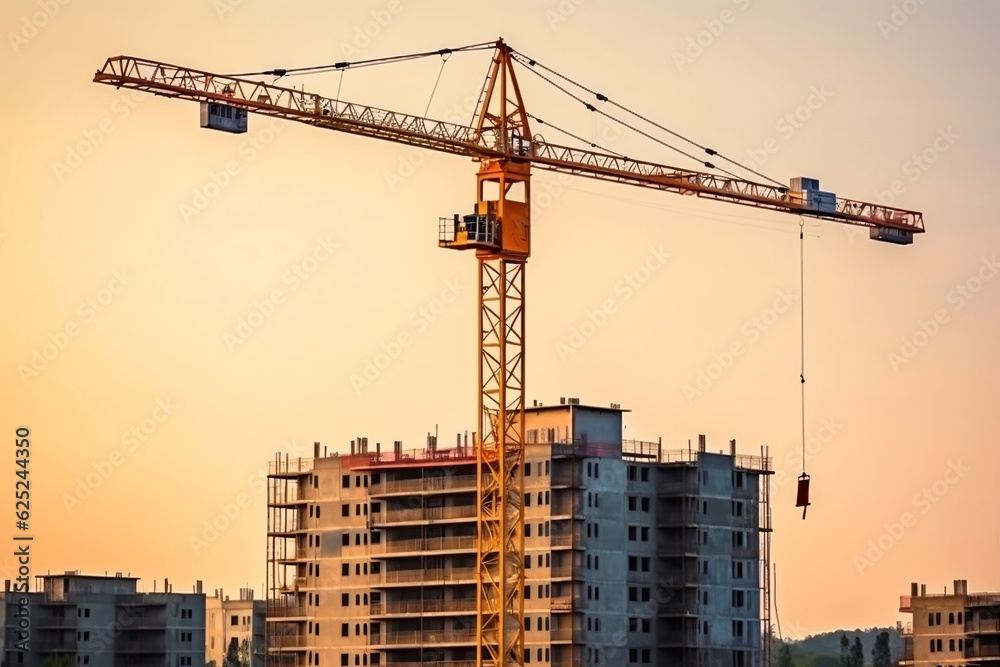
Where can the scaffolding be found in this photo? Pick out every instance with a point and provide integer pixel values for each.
(765, 564)
(286, 480)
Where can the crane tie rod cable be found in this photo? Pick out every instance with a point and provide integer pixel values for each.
(591, 107)
(444, 61)
(280, 72)
(531, 62)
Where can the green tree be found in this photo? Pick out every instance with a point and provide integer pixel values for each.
(59, 661)
(845, 645)
(784, 654)
(232, 658)
(857, 653)
(244, 652)
(881, 654)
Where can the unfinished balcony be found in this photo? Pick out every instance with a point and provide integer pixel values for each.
(434, 484)
(423, 608)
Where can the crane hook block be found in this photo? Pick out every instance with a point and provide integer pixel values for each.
(802, 498)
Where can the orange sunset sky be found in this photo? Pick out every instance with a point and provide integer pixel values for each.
(133, 244)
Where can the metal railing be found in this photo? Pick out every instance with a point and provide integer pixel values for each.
(654, 452)
(677, 517)
(438, 483)
(463, 543)
(296, 466)
(677, 487)
(430, 576)
(290, 642)
(564, 603)
(978, 650)
(564, 539)
(686, 637)
(424, 637)
(425, 514)
(439, 663)
(561, 571)
(423, 607)
(285, 610)
(584, 449)
(981, 625)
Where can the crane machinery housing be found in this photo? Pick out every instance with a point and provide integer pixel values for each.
(498, 230)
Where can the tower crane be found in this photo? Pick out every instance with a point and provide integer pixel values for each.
(498, 230)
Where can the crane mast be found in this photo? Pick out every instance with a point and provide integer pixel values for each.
(499, 231)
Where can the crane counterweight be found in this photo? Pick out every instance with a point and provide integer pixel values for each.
(225, 117)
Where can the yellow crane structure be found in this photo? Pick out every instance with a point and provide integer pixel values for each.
(498, 229)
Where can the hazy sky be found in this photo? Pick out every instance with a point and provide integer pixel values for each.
(133, 243)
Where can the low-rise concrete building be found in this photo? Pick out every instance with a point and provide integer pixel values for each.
(240, 620)
(956, 628)
(102, 621)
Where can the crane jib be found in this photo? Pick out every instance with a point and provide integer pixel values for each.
(226, 102)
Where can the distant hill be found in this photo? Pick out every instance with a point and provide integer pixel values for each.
(823, 650)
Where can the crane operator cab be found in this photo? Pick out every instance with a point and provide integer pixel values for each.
(479, 230)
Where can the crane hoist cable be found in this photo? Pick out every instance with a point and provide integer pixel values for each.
(802, 496)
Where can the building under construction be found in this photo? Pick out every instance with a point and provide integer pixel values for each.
(957, 628)
(634, 553)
